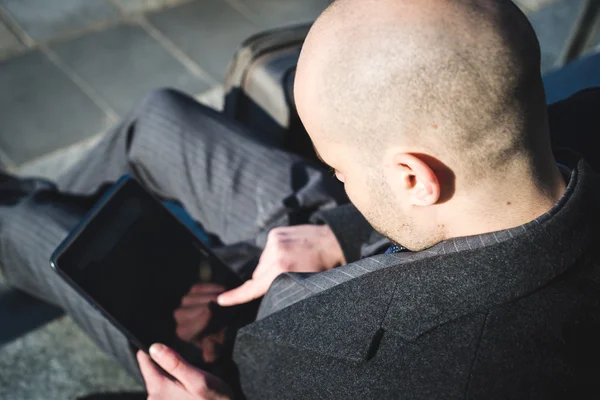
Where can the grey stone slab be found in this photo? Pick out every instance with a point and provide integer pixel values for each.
(208, 31)
(553, 25)
(141, 6)
(53, 165)
(44, 19)
(8, 42)
(534, 5)
(278, 13)
(123, 63)
(593, 42)
(41, 109)
(58, 362)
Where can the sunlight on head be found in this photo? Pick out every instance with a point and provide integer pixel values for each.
(414, 102)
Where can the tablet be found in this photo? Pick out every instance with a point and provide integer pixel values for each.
(133, 260)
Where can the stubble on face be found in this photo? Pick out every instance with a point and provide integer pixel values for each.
(385, 214)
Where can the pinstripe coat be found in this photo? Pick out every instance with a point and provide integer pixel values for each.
(518, 318)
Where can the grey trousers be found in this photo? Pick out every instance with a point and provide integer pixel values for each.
(236, 186)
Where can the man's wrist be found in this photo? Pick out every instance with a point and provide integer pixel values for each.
(349, 227)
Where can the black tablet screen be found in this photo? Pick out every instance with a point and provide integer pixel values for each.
(136, 261)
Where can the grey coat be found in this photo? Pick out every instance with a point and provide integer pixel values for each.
(517, 319)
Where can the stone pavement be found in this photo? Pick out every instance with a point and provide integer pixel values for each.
(69, 69)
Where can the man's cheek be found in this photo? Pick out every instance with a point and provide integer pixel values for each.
(356, 197)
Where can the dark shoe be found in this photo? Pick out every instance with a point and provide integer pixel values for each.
(13, 188)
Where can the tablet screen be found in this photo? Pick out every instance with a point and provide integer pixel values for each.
(135, 260)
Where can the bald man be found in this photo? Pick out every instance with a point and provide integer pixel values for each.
(465, 267)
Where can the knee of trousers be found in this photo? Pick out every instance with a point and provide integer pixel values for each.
(167, 111)
(17, 268)
(177, 104)
(163, 97)
(168, 119)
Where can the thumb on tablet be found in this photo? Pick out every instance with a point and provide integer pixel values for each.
(250, 290)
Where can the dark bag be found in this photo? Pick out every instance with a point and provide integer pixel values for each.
(259, 88)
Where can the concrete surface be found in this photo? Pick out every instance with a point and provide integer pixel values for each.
(70, 68)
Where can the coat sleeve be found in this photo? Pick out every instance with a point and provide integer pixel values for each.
(355, 235)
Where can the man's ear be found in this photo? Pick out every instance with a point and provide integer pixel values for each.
(414, 179)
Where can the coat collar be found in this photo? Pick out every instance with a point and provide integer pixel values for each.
(434, 291)
(416, 297)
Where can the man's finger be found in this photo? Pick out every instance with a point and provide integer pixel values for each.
(261, 269)
(206, 288)
(185, 314)
(199, 298)
(209, 349)
(210, 345)
(173, 364)
(188, 330)
(250, 290)
(153, 377)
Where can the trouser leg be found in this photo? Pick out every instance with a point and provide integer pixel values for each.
(29, 233)
(234, 185)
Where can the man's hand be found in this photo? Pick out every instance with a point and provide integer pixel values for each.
(193, 316)
(191, 384)
(302, 248)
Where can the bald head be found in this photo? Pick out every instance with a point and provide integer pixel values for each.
(458, 78)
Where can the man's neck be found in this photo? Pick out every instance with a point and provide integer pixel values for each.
(503, 207)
